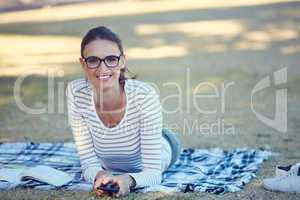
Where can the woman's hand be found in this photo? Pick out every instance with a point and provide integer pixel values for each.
(124, 181)
(102, 177)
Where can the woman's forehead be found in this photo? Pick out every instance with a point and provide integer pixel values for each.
(101, 48)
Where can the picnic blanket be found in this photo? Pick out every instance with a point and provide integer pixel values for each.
(215, 171)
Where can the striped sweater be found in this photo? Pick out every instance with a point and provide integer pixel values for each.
(133, 146)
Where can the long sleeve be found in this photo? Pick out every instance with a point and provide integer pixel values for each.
(151, 139)
(89, 161)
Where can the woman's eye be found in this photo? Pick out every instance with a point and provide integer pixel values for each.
(92, 60)
(111, 59)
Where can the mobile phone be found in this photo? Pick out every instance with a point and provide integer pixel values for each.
(109, 188)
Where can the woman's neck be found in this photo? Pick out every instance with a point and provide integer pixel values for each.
(108, 99)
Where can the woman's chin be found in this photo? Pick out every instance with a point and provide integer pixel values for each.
(104, 83)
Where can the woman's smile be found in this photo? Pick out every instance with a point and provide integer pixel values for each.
(104, 77)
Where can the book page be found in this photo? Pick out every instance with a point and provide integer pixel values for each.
(47, 175)
(11, 175)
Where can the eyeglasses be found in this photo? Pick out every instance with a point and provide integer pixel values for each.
(94, 62)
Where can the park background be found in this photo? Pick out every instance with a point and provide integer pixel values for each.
(184, 42)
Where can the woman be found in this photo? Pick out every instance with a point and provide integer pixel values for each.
(116, 121)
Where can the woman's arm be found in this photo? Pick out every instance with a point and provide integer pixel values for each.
(151, 128)
(89, 161)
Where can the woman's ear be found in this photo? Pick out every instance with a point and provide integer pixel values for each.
(82, 63)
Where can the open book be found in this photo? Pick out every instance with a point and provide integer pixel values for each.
(40, 173)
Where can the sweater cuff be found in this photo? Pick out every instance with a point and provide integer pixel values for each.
(90, 173)
(145, 178)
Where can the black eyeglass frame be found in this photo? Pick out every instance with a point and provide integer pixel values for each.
(100, 61)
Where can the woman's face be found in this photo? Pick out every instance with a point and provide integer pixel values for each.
(102, 76)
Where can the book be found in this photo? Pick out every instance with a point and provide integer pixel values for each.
(40, 173)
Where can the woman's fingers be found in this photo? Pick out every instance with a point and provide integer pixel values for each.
(99, 192)
(106, 179)
(120, 181)
(102, 180)
(123, 189)
(117, 184)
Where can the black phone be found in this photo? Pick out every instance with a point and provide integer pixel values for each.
(109, 188)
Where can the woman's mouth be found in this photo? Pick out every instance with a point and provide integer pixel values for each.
(104, 77)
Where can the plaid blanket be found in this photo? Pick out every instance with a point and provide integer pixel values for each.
(215, 171)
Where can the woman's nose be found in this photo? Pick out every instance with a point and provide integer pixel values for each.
(102, 66)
